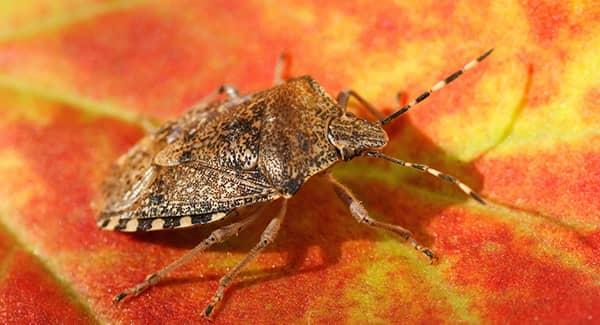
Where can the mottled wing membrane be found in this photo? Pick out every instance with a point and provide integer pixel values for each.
(196, 189)
(139, 195)
(189, 194)
(134, 172)
(219, 157)
(129, 177)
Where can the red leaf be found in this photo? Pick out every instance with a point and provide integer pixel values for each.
(521, 128)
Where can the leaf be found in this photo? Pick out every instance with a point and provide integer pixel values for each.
(522, 129)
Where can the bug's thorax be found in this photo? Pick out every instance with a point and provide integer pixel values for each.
(351, 135)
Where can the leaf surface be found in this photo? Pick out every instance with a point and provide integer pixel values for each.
(523, 129)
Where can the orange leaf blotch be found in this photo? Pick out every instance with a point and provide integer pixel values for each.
(563, 183)
(150, 75)
(66, 159)
(547, 18)
(531, 255)
(511, 280)
(590, 111)
(29, 294)
(544, 72)
(166, 61)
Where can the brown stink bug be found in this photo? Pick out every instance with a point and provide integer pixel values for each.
(226, 154)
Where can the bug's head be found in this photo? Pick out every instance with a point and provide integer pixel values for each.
(352, 136)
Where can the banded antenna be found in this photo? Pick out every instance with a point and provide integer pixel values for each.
(441, 84)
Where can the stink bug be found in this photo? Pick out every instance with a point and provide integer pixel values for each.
(227, 154)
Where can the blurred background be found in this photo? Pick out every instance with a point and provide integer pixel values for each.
(523, 129)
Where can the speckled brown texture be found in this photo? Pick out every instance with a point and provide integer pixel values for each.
(221, 156)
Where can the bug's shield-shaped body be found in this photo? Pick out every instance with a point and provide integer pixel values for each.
(225, 155)
(222, 156)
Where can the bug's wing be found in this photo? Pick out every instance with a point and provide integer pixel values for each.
(143, 194)
(188, 194)
(134, 172)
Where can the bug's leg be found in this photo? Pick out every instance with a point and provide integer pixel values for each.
(150, 124)
(267, 237)
(361, 215)
(230, 91)
(424, 168)
(282, 69)
(217, 236)
(344, 96)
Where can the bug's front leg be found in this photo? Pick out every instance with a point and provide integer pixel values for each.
(267, 237)
(362, 216)
(217, 236)
(344, 96)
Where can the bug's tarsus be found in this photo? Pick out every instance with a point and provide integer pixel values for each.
(344, 96)
(439, 85)
(432, 258)
(424, 168)
(267, 237)
(361, 215)
(150, 280)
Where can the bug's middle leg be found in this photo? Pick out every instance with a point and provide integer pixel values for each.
(361, 215)
(282, 69)
(344, 96)
(217, 236)
(267, 237)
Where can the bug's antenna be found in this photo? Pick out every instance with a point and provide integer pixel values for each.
(429, 170)
(441, 84)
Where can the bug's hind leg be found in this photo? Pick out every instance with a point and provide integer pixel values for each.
(361, 215)
(282, 69)
(217, 236)
(150, 124)
(344, 96)
(267, 237)
(230, 91)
